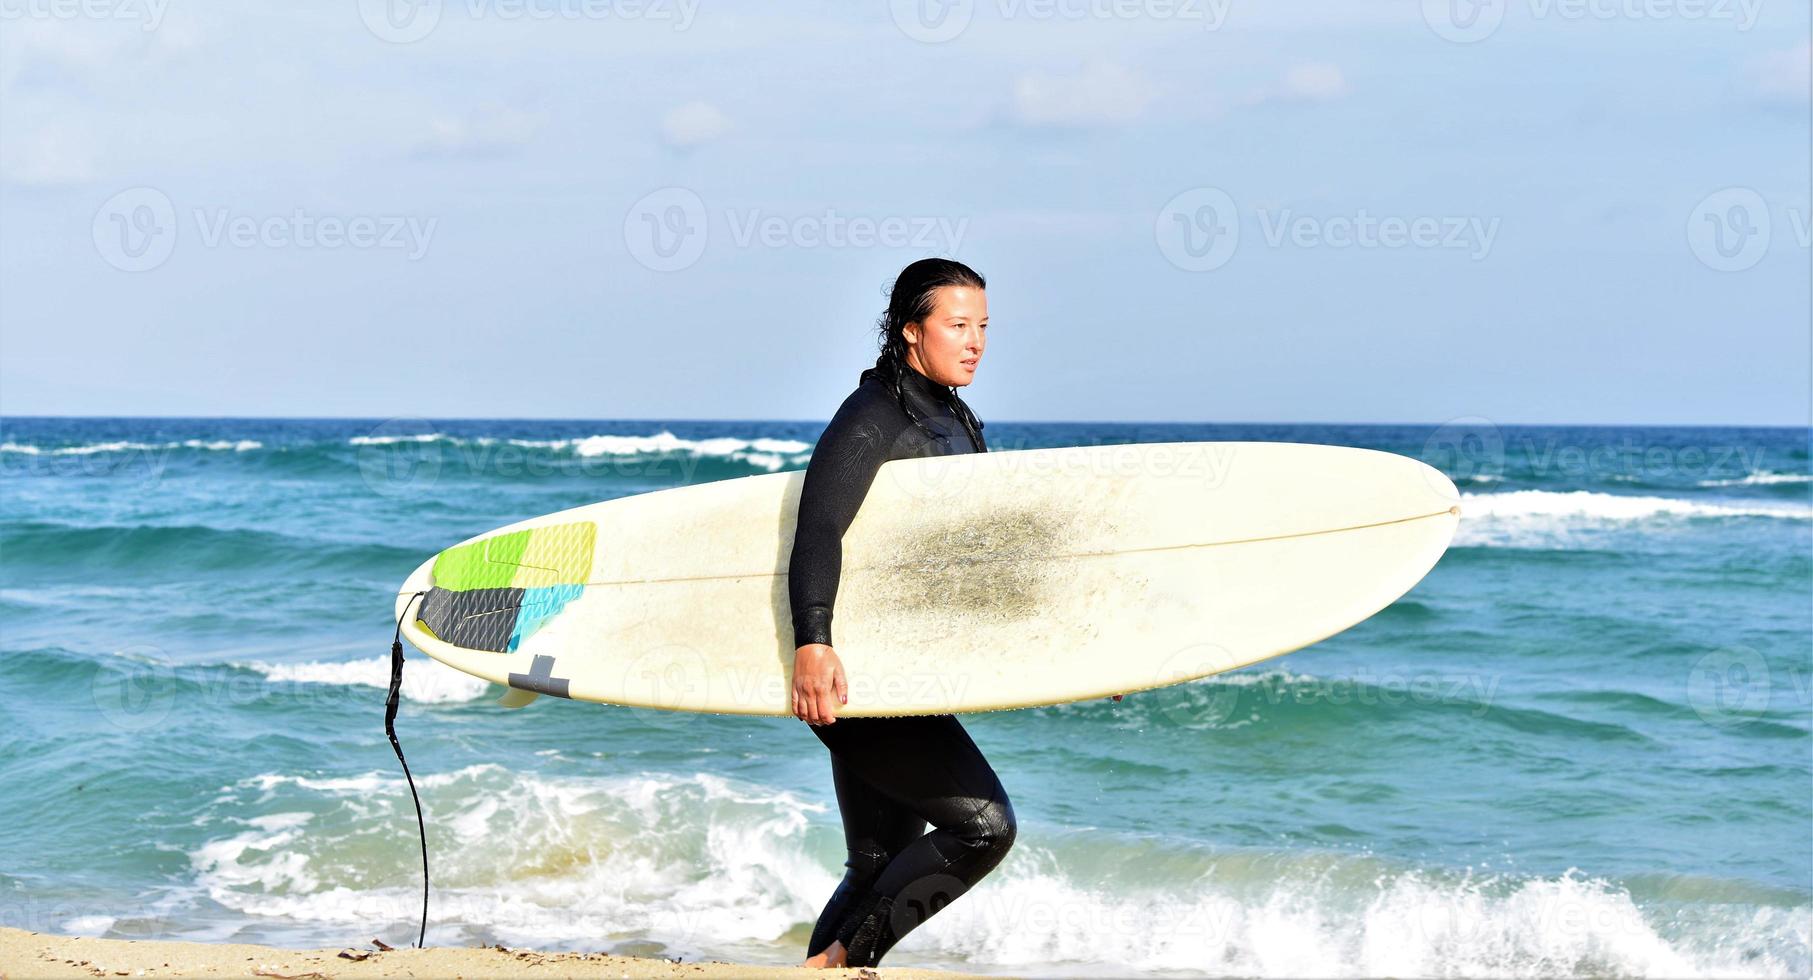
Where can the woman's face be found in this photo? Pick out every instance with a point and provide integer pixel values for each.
(947, 345)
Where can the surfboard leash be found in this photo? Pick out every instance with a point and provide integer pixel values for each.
(390, 729)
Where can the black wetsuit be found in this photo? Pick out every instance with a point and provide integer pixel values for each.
(892, 775)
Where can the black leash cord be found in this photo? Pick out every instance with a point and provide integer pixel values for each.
(390, 728)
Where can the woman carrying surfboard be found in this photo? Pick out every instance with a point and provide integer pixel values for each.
(893, 775)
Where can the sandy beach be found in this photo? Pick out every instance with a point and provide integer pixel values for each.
(34, 954)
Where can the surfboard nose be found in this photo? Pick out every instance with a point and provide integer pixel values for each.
(420, 580)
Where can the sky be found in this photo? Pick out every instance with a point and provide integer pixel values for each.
(1530, 211)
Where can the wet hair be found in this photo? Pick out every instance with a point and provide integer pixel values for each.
(911, 300)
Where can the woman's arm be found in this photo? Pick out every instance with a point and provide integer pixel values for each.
(857, 441)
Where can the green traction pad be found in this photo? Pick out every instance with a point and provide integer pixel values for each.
(495, 593)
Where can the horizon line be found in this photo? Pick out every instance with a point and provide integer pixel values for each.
(535, 418)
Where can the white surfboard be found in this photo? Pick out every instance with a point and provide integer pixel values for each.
(970, 583)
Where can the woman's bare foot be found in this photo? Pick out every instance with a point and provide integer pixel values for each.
(833, 957)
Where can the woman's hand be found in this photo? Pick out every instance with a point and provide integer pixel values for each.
(818, 684)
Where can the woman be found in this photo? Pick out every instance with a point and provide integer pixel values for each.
(893, 775)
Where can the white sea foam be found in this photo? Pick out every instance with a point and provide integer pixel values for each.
(1040, 921)
(698, 862)
(767, 453)
(710, 866)
(1760, 480)
(217, 445)
(768, 461)
(1588, 505)
(423, 680)
(87, 925)
(1551, 519)
(394, 440)
(236, 445)
(667, 443)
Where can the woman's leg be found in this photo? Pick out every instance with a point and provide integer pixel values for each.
(929, 765)
(875, 829)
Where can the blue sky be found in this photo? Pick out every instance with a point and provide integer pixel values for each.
(1523, 210)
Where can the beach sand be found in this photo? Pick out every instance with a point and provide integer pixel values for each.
(34, 954)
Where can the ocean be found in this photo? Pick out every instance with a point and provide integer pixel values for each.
(1582, 745)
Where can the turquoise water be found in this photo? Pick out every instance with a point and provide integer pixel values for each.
(1584, 744)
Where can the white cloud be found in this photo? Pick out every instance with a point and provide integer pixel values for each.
(1782, 76)
(1101, 94)
(1305, 82)
(489, 128)
(693, 124)
(1315, 83)
(53, 154)
(78, 94)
